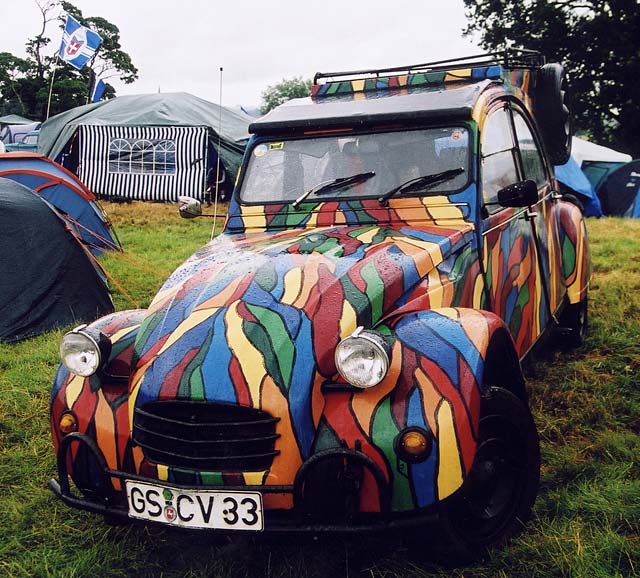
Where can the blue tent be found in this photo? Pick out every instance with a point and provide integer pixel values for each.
(620, 192)
(66, 193)
(571, 176)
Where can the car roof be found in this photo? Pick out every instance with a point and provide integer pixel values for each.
(453, 101)
(446, 89)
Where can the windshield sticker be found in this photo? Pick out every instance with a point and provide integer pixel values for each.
(276, 146)
(260, 151)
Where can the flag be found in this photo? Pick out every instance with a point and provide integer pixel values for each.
(98, 90)
(79, 43)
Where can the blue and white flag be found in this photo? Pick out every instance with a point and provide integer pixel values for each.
(79, 43)
(98, 90)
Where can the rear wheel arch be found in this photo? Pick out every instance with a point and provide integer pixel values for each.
(502, 366)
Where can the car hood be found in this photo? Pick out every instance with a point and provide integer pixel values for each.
(273, 306)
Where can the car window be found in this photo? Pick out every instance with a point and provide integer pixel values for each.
(498, 160)
(532, 163)
(283, 170)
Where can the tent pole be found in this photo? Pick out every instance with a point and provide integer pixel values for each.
(53, 75)
(215, 202)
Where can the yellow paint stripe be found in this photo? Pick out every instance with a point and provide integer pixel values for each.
(430, 398)
(358, 85)
(367, 236)
(436, 290)
(449, 466)
(477, 330)
(105, 431)
(348, 319)
(74, 387)
(457, 75)
(254, 478)
(220, 299)
(477, 292)
(189, 323)
(292, 286)
(250, 359)
(163, 472)
(123, 332)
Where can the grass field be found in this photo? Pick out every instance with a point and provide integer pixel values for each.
(586, 520)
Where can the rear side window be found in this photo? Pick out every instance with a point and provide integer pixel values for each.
(532, 163)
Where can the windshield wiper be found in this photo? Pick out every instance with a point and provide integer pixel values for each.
(423, 183)
(333, 185)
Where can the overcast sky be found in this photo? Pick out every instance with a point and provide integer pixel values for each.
(181, 45)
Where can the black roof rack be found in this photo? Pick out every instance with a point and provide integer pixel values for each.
(512, 58)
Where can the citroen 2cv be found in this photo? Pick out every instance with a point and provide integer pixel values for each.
(346, 355)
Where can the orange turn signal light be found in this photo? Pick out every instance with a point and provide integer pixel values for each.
(68, 423)
(413, 445)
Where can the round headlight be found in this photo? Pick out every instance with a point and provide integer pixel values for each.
(362, 358)
(80, 353)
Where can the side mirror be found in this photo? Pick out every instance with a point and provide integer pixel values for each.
(189, 208)
(522, 194)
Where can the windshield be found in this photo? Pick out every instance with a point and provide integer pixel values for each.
(281, 171)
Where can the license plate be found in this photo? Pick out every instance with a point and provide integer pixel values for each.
(195, 508)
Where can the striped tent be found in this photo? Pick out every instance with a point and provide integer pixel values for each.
(152, 147)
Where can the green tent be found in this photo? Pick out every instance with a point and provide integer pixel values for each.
(147, 147)
(14, 119)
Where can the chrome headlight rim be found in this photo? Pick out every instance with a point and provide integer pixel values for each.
(96, 342)
(380, 347)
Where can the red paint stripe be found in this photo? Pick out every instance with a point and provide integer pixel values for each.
(462, 424)
(169, 389)
(240, 383)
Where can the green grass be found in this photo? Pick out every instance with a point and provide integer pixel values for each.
(586, 520)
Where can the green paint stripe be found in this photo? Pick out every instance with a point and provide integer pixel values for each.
(280, 339)
(374, 289)
(384, 432)
(212, 478)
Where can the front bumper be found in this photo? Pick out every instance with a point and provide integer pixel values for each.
(309, 514)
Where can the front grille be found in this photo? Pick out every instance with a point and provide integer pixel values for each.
(206, 436)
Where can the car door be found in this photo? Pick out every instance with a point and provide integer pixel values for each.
(514, 280)
(544, 220)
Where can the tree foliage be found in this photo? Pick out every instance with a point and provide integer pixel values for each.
(25, 82)
(286, 90)
(596, 40)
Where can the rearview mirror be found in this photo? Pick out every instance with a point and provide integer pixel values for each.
(189, 208)
(521, 194)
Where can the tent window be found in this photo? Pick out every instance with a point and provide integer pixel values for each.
(142, 156)
(164, 157)
(119, 156)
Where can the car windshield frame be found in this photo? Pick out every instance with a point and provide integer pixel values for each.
(347, 193)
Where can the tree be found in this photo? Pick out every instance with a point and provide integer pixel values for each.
(25, 82)
(596, 40)
(286, 90)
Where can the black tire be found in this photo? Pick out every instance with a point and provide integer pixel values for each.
(551, 103)
(495, 500)
(574, 324)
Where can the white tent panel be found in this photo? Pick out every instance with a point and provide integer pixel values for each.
(583, 150)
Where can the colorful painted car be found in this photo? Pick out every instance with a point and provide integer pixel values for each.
(345, 356)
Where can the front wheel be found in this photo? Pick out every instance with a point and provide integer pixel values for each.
(496, 499)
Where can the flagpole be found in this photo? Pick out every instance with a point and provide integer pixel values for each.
(53, 75)
(215, 202)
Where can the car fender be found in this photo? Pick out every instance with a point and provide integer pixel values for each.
(576, 266)
(99, 402)
(450, 356)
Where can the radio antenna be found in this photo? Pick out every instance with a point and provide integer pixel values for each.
(215, 201)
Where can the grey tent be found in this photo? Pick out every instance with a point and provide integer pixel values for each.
(147, 147)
